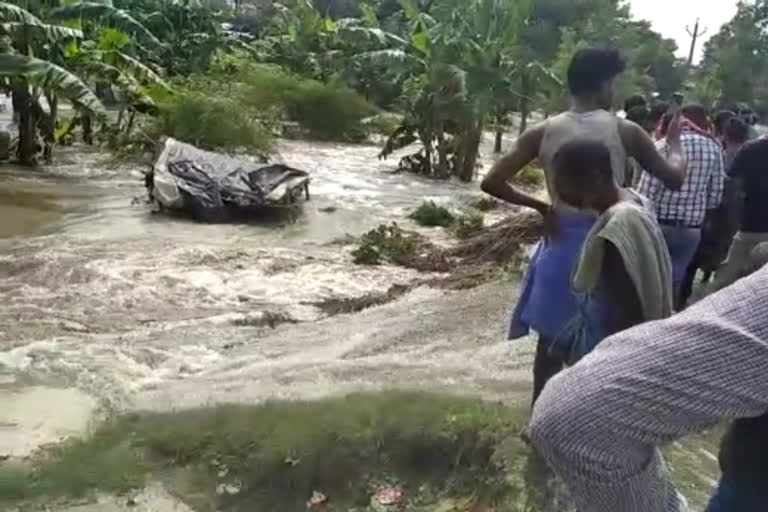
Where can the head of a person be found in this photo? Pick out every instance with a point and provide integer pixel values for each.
(592, 73)
(736, 133)
(721, 121)
(583, 174)
(636, 100)
(746, 114)
(655, 115)
(697, 114)
(638, 114)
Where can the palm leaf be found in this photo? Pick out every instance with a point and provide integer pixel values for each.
(10, 12)
(100, 71)
(140, 71)
(108, 15)
(25, 32)
(52, 78)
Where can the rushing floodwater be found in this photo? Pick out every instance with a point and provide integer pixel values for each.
(143, 311)
(148, 311)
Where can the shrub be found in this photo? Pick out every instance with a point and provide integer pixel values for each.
(326, 111)
(386, 243)
(484, 204)
(530, 176)
(383, 124)
(431, 214)
(468, 225)
(212, 122)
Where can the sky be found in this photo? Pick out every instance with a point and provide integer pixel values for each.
(670, 17)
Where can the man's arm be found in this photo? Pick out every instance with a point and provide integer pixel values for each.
(620, 290)
(496, 183)
(716, 184)
(639, 145)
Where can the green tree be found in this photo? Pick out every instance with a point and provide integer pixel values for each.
(736, 59)
(29, 65)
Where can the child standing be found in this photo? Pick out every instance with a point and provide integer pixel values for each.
(623, 275)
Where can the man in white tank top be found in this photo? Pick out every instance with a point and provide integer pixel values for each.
(547, 302)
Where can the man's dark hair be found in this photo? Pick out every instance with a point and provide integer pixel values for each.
(658, 109)
(697, 114)
(636, 100)
(737, 131)
(583, 161)
(590, 68)
(722, 118)
(638, 114)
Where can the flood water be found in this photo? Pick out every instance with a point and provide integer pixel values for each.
(142, 311)
(147, 311)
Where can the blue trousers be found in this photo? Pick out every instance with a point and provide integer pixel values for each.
(739, 496)
(682, 243)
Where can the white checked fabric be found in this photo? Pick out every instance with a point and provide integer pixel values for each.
(599, 423)
(703, 187)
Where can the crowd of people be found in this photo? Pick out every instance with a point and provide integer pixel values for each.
(638, 206)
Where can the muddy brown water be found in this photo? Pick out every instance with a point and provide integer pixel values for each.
(142, 311)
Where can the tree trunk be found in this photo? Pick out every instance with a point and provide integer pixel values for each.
(497, 142)
(87, 129)
(131, 117)
(22, 106)
(470, 148)
(47, 123)
(524, 113)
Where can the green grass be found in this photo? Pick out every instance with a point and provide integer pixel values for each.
(484, 204)
(530, 176)
(386, 244)
(431, 215)
(468, 225)
(212, 121)
(435, 445)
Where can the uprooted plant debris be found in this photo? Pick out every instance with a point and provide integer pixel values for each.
(389, 243)
(475, 255)
(338, 306)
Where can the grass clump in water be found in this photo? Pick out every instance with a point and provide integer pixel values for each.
(386, 244)
(212, 121)
(530, 176)
(431, 214)
(484, 204)
(276, 454)
(468, 225)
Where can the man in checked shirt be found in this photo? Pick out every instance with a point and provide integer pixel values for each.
(681, 213)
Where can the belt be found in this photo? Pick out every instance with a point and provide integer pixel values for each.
(678, 224)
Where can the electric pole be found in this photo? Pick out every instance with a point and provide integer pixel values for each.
(695, 34)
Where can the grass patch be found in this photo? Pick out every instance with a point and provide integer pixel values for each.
(339, 306)
(386, 244)
(431, 215)
(530, 176)
(468, 225)
(435, 446)
(327, 111)
(212, 121)
(484, 204)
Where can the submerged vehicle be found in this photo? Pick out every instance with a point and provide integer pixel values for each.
(212, 187)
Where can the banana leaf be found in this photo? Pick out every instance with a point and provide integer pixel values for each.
(52, 78)
(108, 15)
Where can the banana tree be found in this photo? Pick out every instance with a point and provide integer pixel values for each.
(476, 40)
(27, 67)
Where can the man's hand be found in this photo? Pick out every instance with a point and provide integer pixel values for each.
(675, 129)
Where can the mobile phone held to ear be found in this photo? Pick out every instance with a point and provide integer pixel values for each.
(675, 105)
